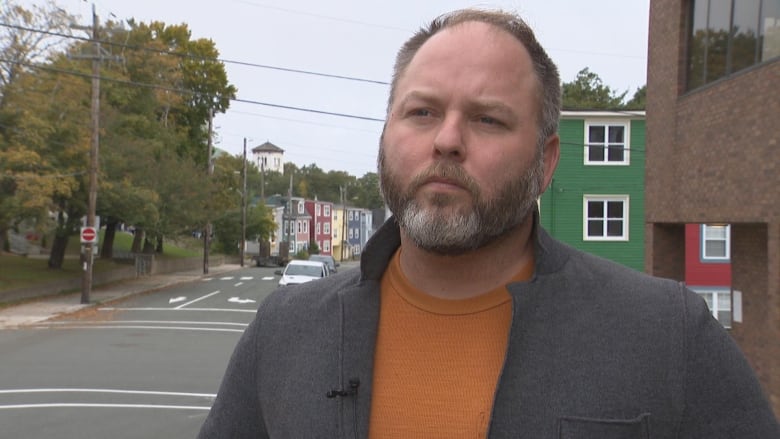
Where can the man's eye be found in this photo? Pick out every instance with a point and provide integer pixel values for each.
(421, 112)
(489, 120)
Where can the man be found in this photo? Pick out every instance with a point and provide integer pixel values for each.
(466, 319)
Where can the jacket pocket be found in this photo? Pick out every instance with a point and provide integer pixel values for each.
(591, 428)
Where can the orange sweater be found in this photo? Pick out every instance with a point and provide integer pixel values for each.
(437, 361)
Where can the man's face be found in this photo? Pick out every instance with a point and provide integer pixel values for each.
(459, 161)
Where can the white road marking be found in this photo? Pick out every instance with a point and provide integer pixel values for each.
(247, 277)
(238, 300)
(177, 299)
(238, 284)
(197, 300)
(175, 322)
(226, 278)
(269, 278)
(176, 309)
(130, 392)
(173, 328)
(123, 406)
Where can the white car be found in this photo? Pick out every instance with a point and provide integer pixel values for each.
(300, 271)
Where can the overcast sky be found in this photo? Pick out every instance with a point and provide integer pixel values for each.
(359, 39)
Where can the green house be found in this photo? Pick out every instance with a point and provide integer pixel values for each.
(595, 201)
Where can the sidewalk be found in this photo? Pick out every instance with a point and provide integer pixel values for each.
(39, 310)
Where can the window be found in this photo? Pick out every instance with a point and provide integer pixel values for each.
(715, 242)
(326, 246)
(605, 144)
(351, 233)
(317, 210)
(300, 207)
(318, 229)
(305, 226)
(729, 35)
(605, 218)
(357, 233)
(326, 210)
(326, 228)
(719, 303)
(351, 215)
(300, 225)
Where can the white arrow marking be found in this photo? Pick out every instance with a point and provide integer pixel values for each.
(237, 300)
(177, 299)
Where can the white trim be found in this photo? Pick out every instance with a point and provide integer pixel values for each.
(622, 114)
(606, 123)
(727, 240)
(625, 199)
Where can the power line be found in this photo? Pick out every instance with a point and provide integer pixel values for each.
(194, 57)
(184, 91)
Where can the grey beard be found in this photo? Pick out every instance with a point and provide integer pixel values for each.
(439, 230)
(460, 232)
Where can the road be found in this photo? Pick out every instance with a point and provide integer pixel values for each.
(146, 367)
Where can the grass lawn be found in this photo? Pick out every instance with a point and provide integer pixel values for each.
(21, 271)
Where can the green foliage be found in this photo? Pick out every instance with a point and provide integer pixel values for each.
(639, 100)
(587, 92)
(314, 249)
(302, 254)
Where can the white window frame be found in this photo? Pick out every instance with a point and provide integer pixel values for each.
(318, 229)
(604, 199)
(300, 208)
(326, 228)
(712, 296)
(326, 210)
(606, 124)
(703, 233)
(326, 246)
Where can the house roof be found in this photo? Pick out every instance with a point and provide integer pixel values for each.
(267, 147)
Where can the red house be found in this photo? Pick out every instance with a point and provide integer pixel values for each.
(320, 227)
(708, 266)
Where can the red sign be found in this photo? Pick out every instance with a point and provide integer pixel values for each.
(88, 235)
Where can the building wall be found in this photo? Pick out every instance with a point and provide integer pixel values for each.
(562, 207)
(697, 271)
(713, 150)
(712, 156)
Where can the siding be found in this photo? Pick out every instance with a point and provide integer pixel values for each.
(562, 203)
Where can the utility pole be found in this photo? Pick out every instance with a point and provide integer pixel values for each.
(210, 170)
(243, 209)
(96, 58)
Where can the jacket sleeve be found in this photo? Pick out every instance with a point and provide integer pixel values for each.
(236, 412)
(723, 398)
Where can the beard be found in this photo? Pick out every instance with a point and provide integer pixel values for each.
(441, 226)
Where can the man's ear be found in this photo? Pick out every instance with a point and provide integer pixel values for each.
(551, 154)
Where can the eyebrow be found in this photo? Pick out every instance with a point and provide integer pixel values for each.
(479, 105)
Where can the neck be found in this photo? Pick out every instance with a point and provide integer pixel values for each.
(469, 274)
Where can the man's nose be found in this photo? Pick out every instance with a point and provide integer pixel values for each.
(449, 140)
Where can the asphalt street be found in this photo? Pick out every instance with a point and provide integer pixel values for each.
(148, 366)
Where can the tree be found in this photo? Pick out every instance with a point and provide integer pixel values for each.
(639, 100)
(587, 92)
(27, 180)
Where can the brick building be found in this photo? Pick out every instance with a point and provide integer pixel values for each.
(713, 154)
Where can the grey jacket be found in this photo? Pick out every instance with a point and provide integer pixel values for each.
(596, 350)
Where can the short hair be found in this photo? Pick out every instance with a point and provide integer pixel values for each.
(545, 69)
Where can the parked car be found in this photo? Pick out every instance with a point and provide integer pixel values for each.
(299, 272)
(327, 259)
